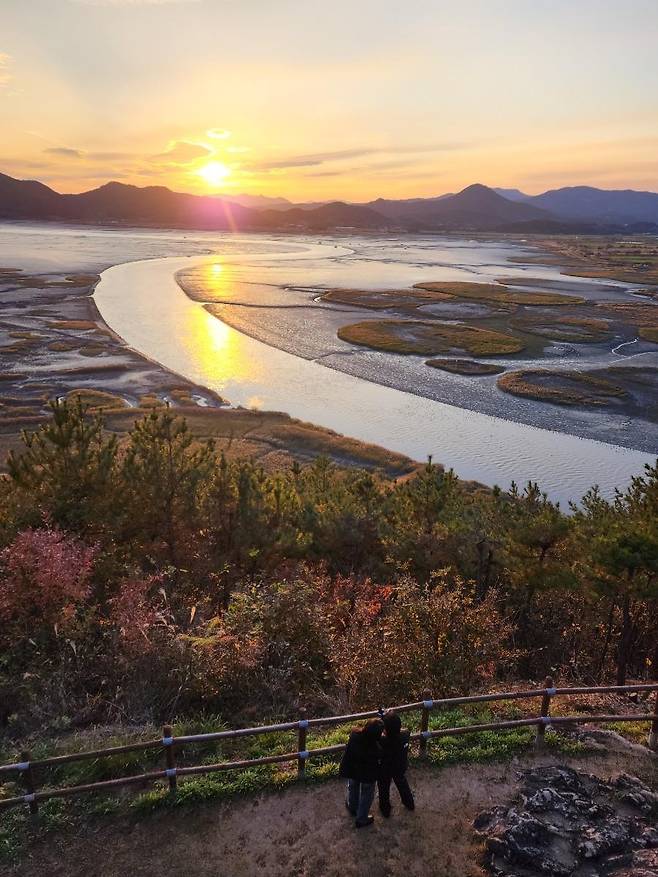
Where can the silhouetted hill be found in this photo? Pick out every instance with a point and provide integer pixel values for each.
(334, 215)
(261, 202)
(26, 199)
(580, 210)
(476, 207)
(156, 205)
(617, 206)
(482, 206)
(512, 194)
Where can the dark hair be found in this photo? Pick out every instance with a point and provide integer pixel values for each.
(392, 724)
(372, 729)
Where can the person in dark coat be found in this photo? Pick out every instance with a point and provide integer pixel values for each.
(360, 767)
(393, 765)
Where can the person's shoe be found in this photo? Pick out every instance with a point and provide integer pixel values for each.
(369, 820)
(349, 809)
(385, 811)
(410, 806)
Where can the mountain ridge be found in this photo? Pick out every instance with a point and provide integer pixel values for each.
(576, 209)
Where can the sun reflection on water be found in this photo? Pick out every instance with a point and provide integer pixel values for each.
(220, 352)
(214, 280)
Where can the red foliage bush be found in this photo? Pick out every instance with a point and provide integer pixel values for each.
(45, 574)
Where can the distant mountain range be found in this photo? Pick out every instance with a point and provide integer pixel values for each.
(579, 209)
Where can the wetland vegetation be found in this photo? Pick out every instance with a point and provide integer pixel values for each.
(426, 338)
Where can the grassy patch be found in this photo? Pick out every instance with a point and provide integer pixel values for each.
(634, 313)
(636, 732)
(608, 258)
(465, 367)
(577, 330)
(92, 350)
(25, 334)
(401, 336)
(97, 399)
(649, 333)
(78, 325)
(181, 396)
(494, 292)
(380, 299)
(302, 439)
(561, 387)
(63, 346)
(21, 344)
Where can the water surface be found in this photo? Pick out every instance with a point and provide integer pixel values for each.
(144, 304)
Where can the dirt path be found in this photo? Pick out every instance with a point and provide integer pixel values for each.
(307, 831)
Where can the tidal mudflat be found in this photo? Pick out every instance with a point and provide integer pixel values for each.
(255, 332)
(379, 311)
(178, 330)
(54, 344)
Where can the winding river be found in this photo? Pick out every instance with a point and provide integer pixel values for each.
(142, 302)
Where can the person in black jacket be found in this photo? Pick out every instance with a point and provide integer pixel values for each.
(393, 765)
(360, 767)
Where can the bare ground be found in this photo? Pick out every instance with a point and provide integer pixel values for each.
(306, 830)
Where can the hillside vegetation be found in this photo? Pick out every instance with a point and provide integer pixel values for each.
(150, 577)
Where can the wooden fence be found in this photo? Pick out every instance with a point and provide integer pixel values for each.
(27, 768)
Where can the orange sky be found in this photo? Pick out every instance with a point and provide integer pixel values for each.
(344, 100)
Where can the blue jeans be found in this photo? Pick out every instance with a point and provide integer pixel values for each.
(359, 798)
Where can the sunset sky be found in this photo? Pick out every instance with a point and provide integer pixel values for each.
(314, 100)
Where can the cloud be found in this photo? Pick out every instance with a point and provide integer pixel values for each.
(218, 133)
(311, 159)
(183, 152)
(4, 69)
(319, 158)
(64, 151)
(114, 156)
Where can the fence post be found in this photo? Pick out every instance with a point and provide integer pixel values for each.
(170, 757)
(653, 730)
(545, 712)
(28, 782)
(302, 729)
(428, 703)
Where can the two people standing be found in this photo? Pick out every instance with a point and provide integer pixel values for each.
(376, 755)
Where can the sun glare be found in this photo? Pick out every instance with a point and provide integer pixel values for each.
(214, 173)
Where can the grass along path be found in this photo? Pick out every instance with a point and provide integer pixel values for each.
(249, 826)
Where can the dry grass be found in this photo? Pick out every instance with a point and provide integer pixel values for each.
(21, 344)
(575, 329)
(275, 439)
(494, 292)
(465, 367)
(381, 299)
(649, 333)
(634, 313)
(606, 258)
(561, 387)
(427, 338)
(77, 325)
(25, 334)
(92, 350)
(63, 346)
(181, 396)
(97, 399)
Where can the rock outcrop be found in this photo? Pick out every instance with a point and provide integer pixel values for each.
(571, 824)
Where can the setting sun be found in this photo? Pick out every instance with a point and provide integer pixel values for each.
(214, 173)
